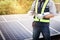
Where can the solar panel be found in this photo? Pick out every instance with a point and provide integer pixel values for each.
(18, 27)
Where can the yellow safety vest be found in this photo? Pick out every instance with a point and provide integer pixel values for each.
(42, 11)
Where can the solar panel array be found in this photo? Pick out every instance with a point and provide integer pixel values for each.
(18, 27)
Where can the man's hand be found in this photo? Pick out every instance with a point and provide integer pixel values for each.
(48, 15)
(33, 24)
(30, 13)
(40, 16)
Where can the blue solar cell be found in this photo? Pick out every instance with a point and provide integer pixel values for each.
(1, 18)
(1, 38)
(13, 30)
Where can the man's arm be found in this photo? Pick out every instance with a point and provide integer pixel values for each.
(31, 11)
(52, 10)
(49, 16)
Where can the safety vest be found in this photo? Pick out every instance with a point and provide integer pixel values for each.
(42, 11)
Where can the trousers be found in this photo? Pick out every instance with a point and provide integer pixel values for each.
(41, 27)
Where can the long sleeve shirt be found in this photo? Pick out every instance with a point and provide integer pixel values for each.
(51, 5)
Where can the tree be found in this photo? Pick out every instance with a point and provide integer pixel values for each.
(14, 6)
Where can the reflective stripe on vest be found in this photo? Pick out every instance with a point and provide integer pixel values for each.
(42, 11)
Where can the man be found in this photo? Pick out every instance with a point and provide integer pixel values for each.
(42, 10)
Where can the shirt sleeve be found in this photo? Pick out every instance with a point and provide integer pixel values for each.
(33, 6)
(52, 7)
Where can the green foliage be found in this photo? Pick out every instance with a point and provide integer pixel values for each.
(14, 6)
(5, 7)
